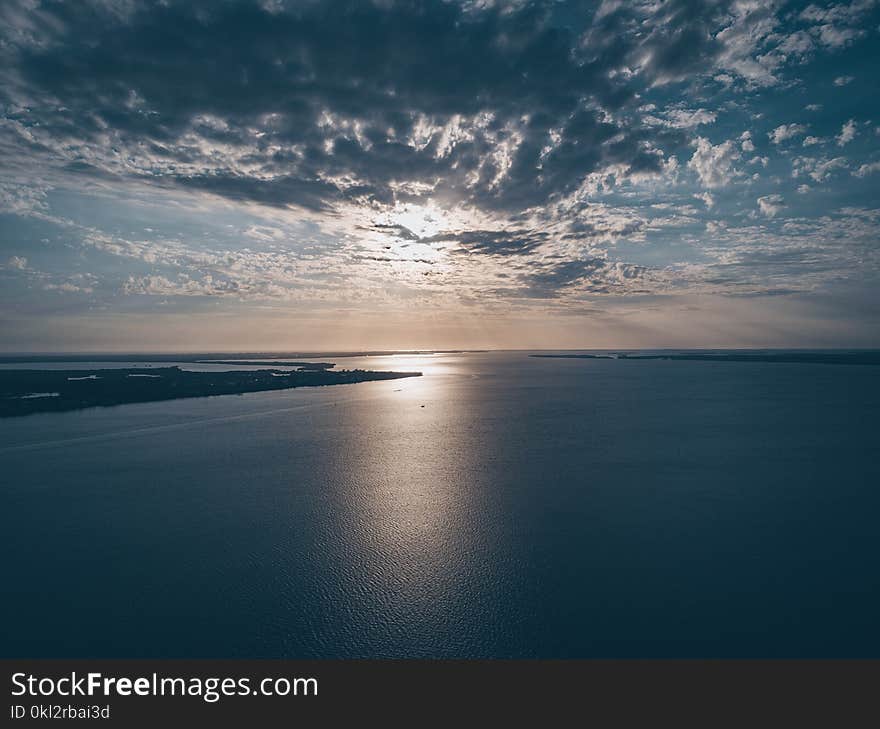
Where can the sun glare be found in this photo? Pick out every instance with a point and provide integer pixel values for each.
(423, 221)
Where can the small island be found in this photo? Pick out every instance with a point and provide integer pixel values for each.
(23, 392)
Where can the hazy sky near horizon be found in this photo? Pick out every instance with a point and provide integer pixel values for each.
(455, 173)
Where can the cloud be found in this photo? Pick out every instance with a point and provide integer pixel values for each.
(714, 163)
(182, 285)
(847, 133)
(707, 199)
(843, 80)
(19, 263)
(819, 169)
(771, 205)
(837, 25)
(472, 99)
(68, 288)
(867, 169)
(499, 106)
(786, 131)
(411, 151)
(798, 44)
(834, 37)
(347, 112)
(683, 118)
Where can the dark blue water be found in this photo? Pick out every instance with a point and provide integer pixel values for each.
(549, 508)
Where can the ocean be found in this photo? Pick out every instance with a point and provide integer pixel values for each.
(499, 506)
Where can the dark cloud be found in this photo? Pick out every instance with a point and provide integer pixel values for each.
(492, 242)
(548, 280)
(310, 103)
(548, 144)
(683, 38)
(556, 276)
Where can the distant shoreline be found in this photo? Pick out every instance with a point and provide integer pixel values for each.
(847, 357)
(25, 392)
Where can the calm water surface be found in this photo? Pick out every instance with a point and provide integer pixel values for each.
(498, 506)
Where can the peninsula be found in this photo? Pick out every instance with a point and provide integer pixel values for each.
(23, 392)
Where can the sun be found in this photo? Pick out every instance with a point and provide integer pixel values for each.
(423, 221)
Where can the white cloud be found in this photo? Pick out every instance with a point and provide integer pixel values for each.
(707, 199)
(843, 80)
(786, 131)
(745, 41)
(686, 118)
(837, 24)
(810, 141)
(867, 169)
(835, 37)
(17, 262)
(68, 288)
(714, 163)
(798, 43)
(847, 133)
(679, 118)
(771, 205)
(817, 169)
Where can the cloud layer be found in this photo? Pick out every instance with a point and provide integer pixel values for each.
(443, 152)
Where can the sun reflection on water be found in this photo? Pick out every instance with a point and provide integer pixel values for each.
(409, 498)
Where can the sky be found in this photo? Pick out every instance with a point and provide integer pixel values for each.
(303, 175)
